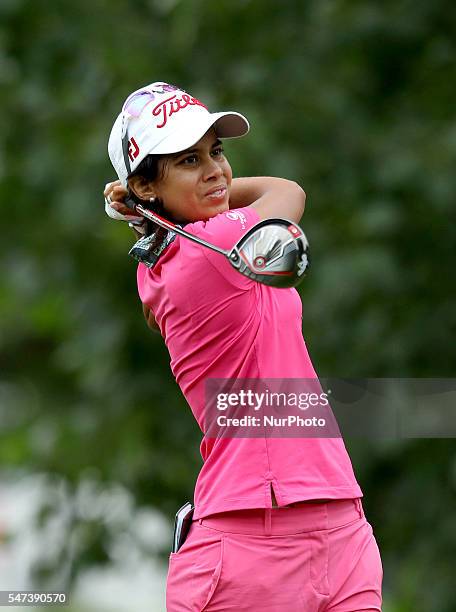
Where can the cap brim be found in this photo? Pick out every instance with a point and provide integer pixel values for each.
(227, 125)
(230, 125)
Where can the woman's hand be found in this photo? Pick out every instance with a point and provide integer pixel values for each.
(115, 194)
(115, 207)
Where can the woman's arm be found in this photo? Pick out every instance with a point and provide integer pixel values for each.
(270, 196)
(150, 319)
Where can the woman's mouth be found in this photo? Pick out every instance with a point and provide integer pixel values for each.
(218, 193)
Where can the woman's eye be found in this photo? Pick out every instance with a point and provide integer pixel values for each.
(217, 152)
(191, 159)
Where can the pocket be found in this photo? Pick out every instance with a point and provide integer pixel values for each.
(319, 560)
(207, 571)
(194, 574)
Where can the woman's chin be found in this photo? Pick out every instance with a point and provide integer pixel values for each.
(214, 210)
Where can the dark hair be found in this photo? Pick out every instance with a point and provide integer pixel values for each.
(150, 169)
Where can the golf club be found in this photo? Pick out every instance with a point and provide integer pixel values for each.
(274, 252)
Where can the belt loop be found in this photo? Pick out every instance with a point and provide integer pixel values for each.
(359, 507)
(267, 521)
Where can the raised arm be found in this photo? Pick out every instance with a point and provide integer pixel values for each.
(270, 196)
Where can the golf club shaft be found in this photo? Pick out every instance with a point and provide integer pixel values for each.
(148, 214)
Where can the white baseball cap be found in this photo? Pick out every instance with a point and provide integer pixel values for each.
(162, 119)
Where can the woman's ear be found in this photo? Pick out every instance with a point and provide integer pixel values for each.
(141, 187)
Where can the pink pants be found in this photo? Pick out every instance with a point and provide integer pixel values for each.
(311, 557)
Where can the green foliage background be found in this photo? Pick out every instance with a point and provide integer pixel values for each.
(355, 101)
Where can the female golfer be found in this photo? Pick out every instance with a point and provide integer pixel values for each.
(278, 523)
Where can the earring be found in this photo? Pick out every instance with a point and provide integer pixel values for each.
(152, 199)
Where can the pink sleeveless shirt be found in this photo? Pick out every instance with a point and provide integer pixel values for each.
(219, 324)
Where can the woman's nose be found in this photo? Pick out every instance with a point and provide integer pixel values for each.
(212, 169)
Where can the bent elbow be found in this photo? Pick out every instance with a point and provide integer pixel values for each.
(300, 191)
(299, 198)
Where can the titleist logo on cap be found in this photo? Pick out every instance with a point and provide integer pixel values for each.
(166, 108)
